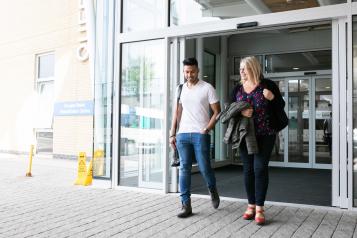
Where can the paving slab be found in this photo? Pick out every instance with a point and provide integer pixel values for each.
(49, 205)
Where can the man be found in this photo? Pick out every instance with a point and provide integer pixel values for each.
(192, 138)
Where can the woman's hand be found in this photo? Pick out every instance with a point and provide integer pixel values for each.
(268, 94)
(172, 141)
(247, 112)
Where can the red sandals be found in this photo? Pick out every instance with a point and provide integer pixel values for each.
(259, 217)
(249, 213)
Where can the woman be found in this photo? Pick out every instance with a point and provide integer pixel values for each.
(264, 97)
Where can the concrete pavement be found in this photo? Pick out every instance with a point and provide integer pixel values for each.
(49, 205)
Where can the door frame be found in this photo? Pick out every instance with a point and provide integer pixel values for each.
(336, 179)
(313, 136)
(339, 15)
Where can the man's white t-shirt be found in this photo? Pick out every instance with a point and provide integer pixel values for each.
(195, 103)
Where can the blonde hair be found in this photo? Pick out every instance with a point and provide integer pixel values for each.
(252, 64)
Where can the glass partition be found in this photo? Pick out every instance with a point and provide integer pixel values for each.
(143, 15)
(142, 114)
(194, 11)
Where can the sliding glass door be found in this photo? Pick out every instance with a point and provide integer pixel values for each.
(306, 141)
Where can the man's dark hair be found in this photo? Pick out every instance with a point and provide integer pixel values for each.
(190, 62)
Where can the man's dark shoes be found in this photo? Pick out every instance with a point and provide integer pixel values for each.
(214, 197)
(186, 210)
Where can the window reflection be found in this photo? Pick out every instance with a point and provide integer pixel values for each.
(143, 14)
(189, 11)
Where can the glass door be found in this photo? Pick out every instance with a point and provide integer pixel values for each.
(322, 147)
(307, 140)
(299, 124)
(142, 120)
(278, 153)
(209, 75)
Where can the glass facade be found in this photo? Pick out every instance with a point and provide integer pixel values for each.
(142, 114)
(354, 97)
(143, 15)
(194, 11)
(103, 86)
(305, 142)
(187, 12)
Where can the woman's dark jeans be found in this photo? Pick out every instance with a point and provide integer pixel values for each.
(255, 168)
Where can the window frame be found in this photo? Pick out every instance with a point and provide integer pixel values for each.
(37, 69)
(40, 82)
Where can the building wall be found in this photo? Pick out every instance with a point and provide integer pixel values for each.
(32, 27)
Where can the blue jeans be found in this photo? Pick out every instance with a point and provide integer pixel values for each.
(188, 146)
(255, 169)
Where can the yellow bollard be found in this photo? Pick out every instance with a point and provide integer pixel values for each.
(28, 174)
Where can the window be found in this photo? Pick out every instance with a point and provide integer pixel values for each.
(299, 61)
(44, 141)
(45, 89)
(190, 11)
(45, 72)
(236, 63)
(45, 66)
(141, 15)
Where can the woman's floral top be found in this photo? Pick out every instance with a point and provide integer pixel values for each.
(260, 105)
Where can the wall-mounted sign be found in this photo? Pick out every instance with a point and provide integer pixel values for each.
(78, 108)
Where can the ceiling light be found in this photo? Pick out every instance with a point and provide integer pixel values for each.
(296, 68)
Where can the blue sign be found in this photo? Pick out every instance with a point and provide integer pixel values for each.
(79, 108)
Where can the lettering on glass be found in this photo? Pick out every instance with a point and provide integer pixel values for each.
(82, 50)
